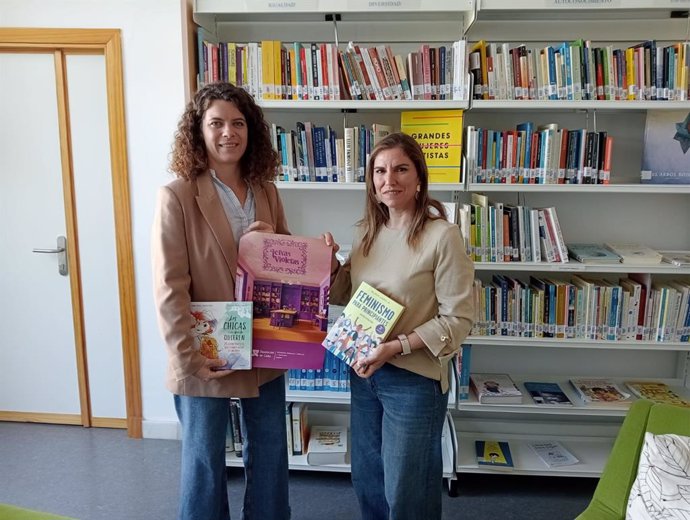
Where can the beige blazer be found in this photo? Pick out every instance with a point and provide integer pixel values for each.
(194, 256)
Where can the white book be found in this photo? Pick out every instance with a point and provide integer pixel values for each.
(553, 453)
(634, 253)
(327, 445)
(495, 389)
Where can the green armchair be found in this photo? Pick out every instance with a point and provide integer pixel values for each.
(610, 498)
(8, 512)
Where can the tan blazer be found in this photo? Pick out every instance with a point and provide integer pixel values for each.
(194, 257)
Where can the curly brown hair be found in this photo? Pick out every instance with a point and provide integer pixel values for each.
(260, 161)
(376, 213)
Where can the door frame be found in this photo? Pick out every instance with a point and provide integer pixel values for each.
(108, 43)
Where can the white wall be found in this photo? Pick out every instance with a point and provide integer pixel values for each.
(154, 99)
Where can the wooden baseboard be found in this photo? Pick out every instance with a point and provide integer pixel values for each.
(108, 422)
(62, 418)
(37, 417)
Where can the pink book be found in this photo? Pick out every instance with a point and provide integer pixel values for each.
(288, 279)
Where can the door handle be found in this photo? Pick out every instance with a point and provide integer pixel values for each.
(60, 250)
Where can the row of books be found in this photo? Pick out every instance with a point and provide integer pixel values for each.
(333, 377)
(317, 153)
(498, 232)
(321, 444)
(313, 153)
(501, 389)
(632, 308)
(547, 155)
(273, 70)
(579, 71)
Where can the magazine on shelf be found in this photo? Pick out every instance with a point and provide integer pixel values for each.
(600, 392)
(553, 453)
(677, 258)
(635, 254)
(593, 254)
(657, 392)
(547, 393)
(223, 330)
(288, 279)
(495, 454)
(495, 389)
(365, 322)
(327, 445)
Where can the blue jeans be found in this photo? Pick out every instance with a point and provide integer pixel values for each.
(203, 487)
(396, 420)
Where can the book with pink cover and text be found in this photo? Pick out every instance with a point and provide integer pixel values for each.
(288, 279)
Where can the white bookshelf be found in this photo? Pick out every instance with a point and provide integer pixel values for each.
(624, 210)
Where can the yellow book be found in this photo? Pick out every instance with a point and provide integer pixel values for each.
(630, 71)
(267, 69)
(293, 73)
(232, 63)
(439, 133)
(366, 321)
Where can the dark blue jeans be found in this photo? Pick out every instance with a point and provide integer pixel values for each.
(203, 487)
(396, 421)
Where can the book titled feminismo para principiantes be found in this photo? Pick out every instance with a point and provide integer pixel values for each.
(365, 322)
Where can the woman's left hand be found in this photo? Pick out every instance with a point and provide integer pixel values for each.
(261, 227)
(366, 366)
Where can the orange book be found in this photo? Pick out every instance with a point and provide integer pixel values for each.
(605, 173)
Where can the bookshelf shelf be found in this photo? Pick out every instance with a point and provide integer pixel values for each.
(355, 186)
(378, 106)
(521, 105)
(578, 408)
(660, 189)
(577, 267)
(567, 343)
(591, 451)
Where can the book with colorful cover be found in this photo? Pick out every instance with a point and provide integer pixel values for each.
(223, 330)
(593, 254)
(600, 392)
(547, 393)
(495, 389)
(657, 392)
(666, 152)
(495, 454)
(288, 279)
(365, 322)
(439, 133)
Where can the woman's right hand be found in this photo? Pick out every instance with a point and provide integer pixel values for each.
(211, 370)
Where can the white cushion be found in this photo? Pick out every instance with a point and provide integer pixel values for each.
(662, 487)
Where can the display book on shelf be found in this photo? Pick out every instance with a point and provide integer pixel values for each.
(539, 352)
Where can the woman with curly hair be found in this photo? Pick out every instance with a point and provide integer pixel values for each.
(224, 163)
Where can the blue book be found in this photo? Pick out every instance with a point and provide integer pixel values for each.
(547, 393)
(592, 254)
(464, 359)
